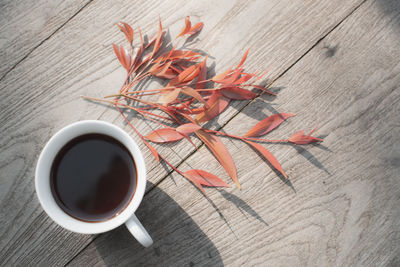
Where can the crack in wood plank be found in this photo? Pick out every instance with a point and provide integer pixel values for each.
(44, 40)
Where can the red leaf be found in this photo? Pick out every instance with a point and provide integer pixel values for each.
(164, 135)
(190, 141)
(152, 40)
(175, 68)
(196, 28)
(202, 75)
(116, 51)
(170, 96)
(168, 74)
(188, 128)
(176, 54)
(185, 29)
(152, 149)
(238, 93)
(169, 111)
(123, 58)
(301, 139)
(268, 124)
(268, 156)
(243, 58)
(158, 39)
(244, 78)
(136, 61)
(205, 178)
(141, 40)
(221, 153)
(127, 30)
(230, 79)
(188, 118)
(157, 70)
(126, 58)
(217, 103)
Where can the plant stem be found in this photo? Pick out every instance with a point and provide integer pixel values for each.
(115, 102)
(247, 138)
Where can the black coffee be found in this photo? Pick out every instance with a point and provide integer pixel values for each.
(93, 177)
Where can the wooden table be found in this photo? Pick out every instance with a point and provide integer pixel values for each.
(335, 63)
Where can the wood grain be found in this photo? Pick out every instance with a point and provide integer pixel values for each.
(341, 206)
(42, 93)
(24, 25)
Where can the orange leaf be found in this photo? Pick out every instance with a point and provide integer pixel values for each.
(268, 124)
(164, 135)
(196, 110)
(196, 28)
(238, 93)
(185, 29)
(221, 76)
(217, 103)
(193, 93)
(188, 128)
(189, 74)
(205, 178)
(268, 156)
(167, 98)
(221, 153)
(301, 139)
(185, 76)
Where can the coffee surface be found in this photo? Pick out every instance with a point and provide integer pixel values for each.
(93, 177)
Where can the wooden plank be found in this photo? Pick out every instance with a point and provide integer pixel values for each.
(342, 207)
(42, 94)
(26, 24)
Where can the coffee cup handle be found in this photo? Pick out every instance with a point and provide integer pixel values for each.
(137, 230)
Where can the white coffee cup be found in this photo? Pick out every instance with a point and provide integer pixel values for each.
(43, 190)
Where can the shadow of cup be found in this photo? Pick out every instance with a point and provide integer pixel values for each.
(178, 240)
